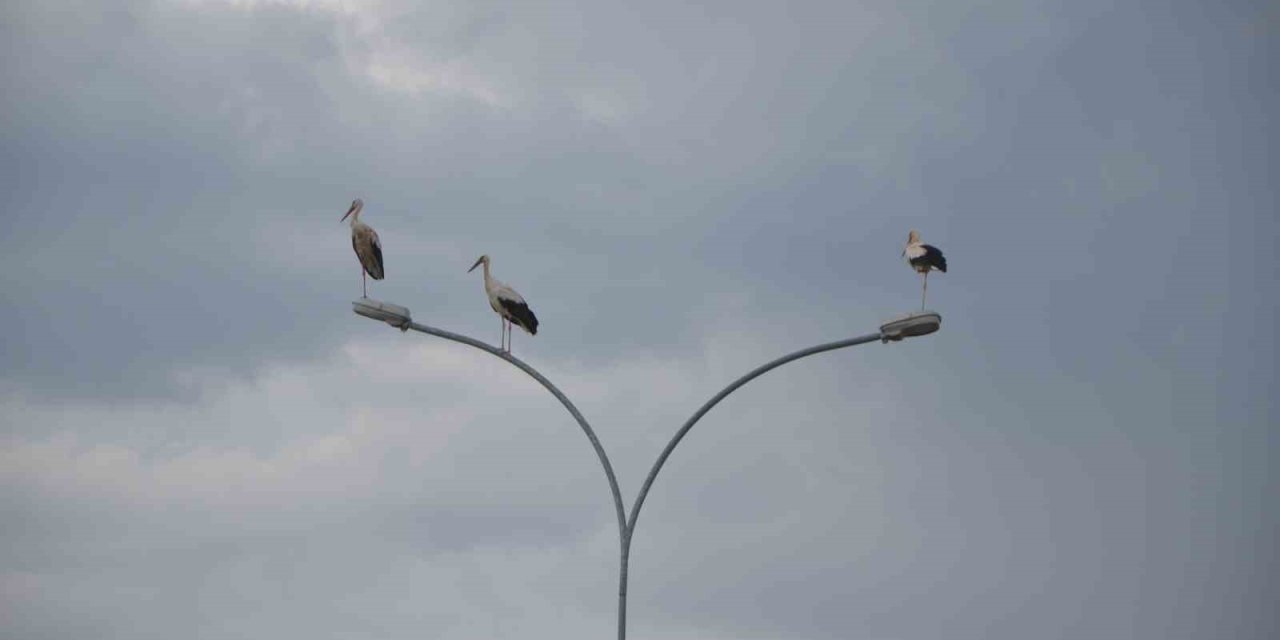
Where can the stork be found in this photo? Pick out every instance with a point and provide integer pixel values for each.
(368, 248)
(923, 258)
(508, 304)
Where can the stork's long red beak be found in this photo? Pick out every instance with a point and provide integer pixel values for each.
(473, 267)
(344, 216)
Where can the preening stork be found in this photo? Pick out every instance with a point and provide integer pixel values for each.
(923, 258)
(368, 248)
(509, 305)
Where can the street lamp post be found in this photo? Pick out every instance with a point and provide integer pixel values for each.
(911, 325)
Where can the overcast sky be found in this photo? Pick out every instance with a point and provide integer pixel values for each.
(198, 439)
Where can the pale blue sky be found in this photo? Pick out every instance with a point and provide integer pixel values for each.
(200, 440)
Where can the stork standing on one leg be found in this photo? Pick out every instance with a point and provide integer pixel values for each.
(509, 305)
(923, 258)
(368, 248)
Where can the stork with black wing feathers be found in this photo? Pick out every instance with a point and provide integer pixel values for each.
(508, 304)
(923, 258)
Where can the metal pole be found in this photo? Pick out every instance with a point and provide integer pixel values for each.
(624, 537)
(625, 551)
(626, 527)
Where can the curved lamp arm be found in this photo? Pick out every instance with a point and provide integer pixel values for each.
(533, 373)
(398, 317)
(751, 375)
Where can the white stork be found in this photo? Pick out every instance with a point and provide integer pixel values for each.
(368, 248)
(923, 258)
(509, 305)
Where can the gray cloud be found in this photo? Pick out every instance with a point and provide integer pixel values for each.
(200, 440)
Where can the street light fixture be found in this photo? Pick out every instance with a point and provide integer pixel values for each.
(392, 314)
(909, 326)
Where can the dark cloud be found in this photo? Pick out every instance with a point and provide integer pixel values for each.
(199, 435)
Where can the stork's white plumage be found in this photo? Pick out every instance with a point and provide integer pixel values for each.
(923, 258)
(507, 303)
(368, 248)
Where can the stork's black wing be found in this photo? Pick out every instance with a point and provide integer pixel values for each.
(933, 257)
(520, 314)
